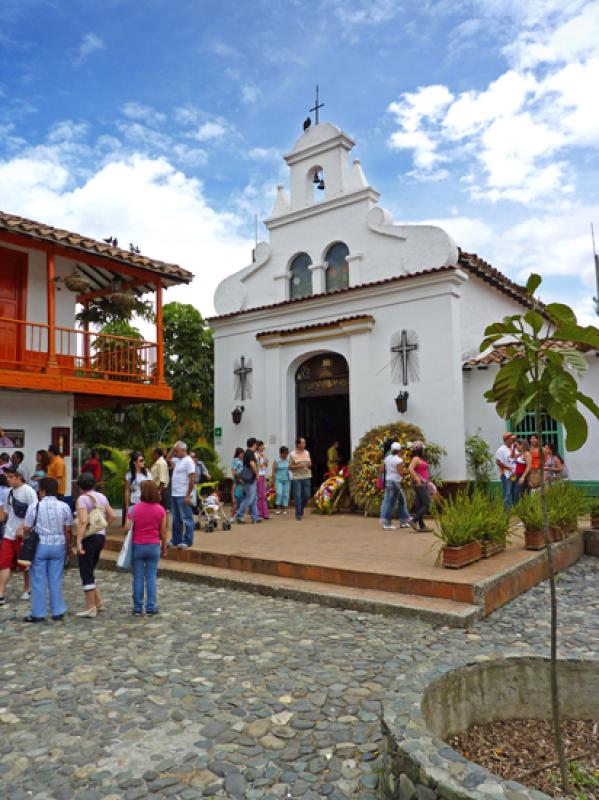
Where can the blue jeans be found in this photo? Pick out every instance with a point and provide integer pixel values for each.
(393, 494)
(282, 489)
(511, 491)
(182, 519)
(302, 489)
(144, 565)
(249, 500)
(46, 571)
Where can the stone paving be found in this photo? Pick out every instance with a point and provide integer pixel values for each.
(227, 694)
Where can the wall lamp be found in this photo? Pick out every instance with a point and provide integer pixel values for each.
(237, 413)
(118, 415)
(401, 401)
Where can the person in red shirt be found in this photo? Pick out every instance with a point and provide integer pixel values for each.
(93, 465)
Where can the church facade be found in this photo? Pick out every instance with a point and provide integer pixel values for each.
(346, 320)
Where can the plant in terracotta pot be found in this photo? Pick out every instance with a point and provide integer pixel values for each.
(496, 526)
(594, 511)
(565, 503)
(460, 520)
(530, 512)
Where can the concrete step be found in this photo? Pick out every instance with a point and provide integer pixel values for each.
(431, 609)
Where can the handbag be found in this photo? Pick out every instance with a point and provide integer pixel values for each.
(534, 479)
(97, 520)
(246, 475)
(19, 508)
(380, 481)
(124, 560)
(30, 543)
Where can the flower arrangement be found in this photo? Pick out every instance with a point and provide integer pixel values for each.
(329, 493)
(271, 497)
(368, 457)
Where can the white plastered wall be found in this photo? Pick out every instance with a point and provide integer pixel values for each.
(36, 413)
(428, 306)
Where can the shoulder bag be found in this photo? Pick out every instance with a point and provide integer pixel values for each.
(19, 508)
(30, 543)
(246, 475)
(126, 554)
(97, 520)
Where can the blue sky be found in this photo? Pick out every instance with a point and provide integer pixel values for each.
(164, 123)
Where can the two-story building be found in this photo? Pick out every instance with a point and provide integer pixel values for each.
(50, 366)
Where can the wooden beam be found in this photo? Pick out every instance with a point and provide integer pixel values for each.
(51, 311)
(101, 261)
(73, 384)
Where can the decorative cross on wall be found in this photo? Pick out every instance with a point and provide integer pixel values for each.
(242, 372)
(402, 345)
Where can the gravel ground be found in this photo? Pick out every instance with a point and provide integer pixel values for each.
(228, 694)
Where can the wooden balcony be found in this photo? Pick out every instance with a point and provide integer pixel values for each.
(79, 361)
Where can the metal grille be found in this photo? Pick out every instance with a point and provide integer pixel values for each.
(551, 430)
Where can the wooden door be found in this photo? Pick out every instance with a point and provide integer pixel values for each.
(13, 271)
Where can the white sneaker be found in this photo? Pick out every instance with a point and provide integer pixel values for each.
(25, 596)
(182, 546)
(389, 527)
(404, 525)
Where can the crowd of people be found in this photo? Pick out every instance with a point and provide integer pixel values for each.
(291, 477)
(519, 465)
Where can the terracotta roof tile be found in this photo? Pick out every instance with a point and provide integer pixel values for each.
(85, 244)
(315, 326)
(499, 354)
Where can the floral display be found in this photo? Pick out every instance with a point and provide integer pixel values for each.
(328, 495)
(368, 457)
(271, 497)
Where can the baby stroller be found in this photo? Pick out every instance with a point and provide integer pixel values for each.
(210, 509)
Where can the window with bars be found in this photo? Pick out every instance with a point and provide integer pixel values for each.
(551, 429)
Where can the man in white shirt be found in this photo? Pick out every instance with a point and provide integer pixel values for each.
(506, 463)
(18, 461)
(14, 510)
(182, 485)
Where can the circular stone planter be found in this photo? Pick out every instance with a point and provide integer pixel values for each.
(417, 764)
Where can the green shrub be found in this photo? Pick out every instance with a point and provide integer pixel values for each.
(479, 459)
(565, 503)
(461, 519)
(530, 512)
(593, 507)
(497, 519)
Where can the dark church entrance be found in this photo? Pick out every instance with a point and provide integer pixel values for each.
(322, 397)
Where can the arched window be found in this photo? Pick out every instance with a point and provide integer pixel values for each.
(338, 267)
(300, 282)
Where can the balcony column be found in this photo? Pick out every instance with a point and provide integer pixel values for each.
(159, 334)
(86, 347)
(51, 312)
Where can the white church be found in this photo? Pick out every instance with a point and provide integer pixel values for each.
(346, 320)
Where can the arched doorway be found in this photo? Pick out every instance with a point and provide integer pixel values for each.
(322, 408)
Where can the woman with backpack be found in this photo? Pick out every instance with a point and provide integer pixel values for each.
(94, 515)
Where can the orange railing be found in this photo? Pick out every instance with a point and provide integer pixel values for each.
(24, 345)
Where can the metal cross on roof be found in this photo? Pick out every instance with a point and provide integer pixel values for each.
(243, 372)
(317, 106)
(404, 349)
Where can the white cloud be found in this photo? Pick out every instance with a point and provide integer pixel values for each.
(517, 134)
(139, 111)
(139, 199)
(210, 130)
(249, 93)
(89, 44)
(358, 13)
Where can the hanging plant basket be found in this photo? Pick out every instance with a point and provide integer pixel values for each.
(76, 282)
(124, 298)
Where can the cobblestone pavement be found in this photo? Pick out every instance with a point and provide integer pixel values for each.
(227, 694)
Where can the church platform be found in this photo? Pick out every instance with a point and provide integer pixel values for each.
(349, 561)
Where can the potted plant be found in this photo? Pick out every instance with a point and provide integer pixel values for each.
(565, 503)
(460, 520)
(530, 512)
(496, 524)
(594, 511)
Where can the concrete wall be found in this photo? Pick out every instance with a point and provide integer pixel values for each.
(37, 413)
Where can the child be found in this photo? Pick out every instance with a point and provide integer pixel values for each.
(281, 480)
(261, 485)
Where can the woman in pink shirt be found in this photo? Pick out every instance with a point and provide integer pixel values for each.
(420, 476)
(149, 543)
